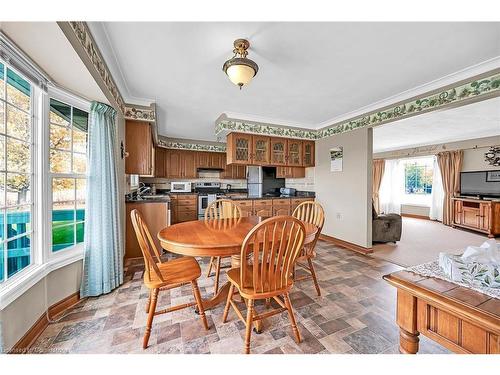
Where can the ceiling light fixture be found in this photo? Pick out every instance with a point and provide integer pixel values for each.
(240, 70)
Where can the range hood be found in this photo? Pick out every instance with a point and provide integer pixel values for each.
(209, 169)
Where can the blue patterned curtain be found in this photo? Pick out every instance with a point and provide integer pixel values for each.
(103, 262)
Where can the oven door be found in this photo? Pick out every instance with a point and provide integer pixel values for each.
(202, 205)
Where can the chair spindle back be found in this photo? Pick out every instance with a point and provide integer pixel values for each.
(222, 209)
(269, 252)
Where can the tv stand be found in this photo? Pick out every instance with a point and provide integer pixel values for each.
(477, 214)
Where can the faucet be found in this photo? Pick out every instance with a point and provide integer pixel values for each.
(141, 190)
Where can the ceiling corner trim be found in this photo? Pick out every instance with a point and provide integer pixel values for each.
(480, 87)
(80, 37)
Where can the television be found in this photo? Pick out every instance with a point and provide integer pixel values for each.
(481, 184)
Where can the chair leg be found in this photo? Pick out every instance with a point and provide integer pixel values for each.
(248, 330)
(149, 301)
(199, 302)
(288, 305)
(228, 303)
(210, 266)
(313, 274)
(217, 274)
(151, 314)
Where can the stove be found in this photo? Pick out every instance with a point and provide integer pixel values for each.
(207, 193)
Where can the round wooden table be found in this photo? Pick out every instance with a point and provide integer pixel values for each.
(213, 238)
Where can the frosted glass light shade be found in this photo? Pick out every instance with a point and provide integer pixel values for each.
(240, 74)
(240, 70)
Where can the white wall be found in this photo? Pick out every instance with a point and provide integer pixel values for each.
(474, 160)
(303, 184)
(346, 195)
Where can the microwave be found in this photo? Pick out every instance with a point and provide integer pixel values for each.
(180, 187)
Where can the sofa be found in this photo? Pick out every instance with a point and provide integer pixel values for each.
(386, 227)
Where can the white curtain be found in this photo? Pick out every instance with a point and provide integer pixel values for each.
(391, 188)
(437, 194)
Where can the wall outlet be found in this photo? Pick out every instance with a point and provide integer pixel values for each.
(339, 216)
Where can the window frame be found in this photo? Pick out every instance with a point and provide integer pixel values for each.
(60, 95)
(34, 252)
(417, 162)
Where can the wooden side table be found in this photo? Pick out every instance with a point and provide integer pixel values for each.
(460, 319)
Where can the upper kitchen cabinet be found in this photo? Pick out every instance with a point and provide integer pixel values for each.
(210, 160)
(278, 151)
(140, 149)
(239, 148)
(294, 155)
(261, 150)
(160, 162)
(308, 152)
(203, 159)
(181, 164)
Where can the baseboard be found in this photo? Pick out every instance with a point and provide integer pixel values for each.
(58, 308)
(347, 245)
(416, 216)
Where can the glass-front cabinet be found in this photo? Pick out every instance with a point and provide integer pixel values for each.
(278, 151)
(294, 152)
(308, 151)
(239, 148)
(261, 150)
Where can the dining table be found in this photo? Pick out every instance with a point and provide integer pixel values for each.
(216, 238)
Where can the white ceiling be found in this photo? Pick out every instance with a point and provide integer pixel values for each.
(477, 120)
(46, 44)
(309, 72)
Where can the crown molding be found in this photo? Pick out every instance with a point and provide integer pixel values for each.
(480, 87)
(178, 145)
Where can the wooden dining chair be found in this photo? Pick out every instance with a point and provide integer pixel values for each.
(220, 209)
(268, 255)
(160, 275)
(312, 213)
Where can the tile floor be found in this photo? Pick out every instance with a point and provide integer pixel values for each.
(355, 314)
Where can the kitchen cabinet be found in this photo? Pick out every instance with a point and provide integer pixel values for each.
(139, 147)
(184, 207)
(294, 153)
(180, 164)
(281, 207)
(269, 207)
(261, 150)
(239, 148)
(203, 159)
(232, 171)
(246, 207)
(308, 150)
(290, 172)
(294, 202)
(155, 214)
(160, 162)
(278, 151)
(263, 207)
(217, 160)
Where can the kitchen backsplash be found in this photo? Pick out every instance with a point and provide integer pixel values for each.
(303, 184)
(164, 183)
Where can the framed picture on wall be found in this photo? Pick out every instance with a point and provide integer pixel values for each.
(493, 176)
(336, 157)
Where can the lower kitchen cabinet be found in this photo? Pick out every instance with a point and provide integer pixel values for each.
(184, 207)
(156, 216)
(269, 207)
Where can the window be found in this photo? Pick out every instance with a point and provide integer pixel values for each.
(68, 161)
(418, 176)
(16, 204)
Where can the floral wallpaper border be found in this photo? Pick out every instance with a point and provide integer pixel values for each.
(426, 103)
(139, 113)
(191, 146)
(84, 36)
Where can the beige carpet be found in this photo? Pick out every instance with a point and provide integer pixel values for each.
(423, 240)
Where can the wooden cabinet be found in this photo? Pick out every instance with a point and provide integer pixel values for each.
(184, 207)
(160, 162)
(239, 148)
(308, 150)
(139, 146)
(281, 207)
(246, 207)
(251, 149)
(294, 153)
(480, 215)
(233, 171)
(180, 164)
(156, 216)
(294, 202)
(261, 153)
(263, 207)
(290, 172)
(278, 151)
(215, 160)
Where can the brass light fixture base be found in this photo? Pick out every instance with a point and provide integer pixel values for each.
(240, 47)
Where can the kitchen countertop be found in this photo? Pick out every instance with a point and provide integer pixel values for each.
(160, 199)
(258, 197)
